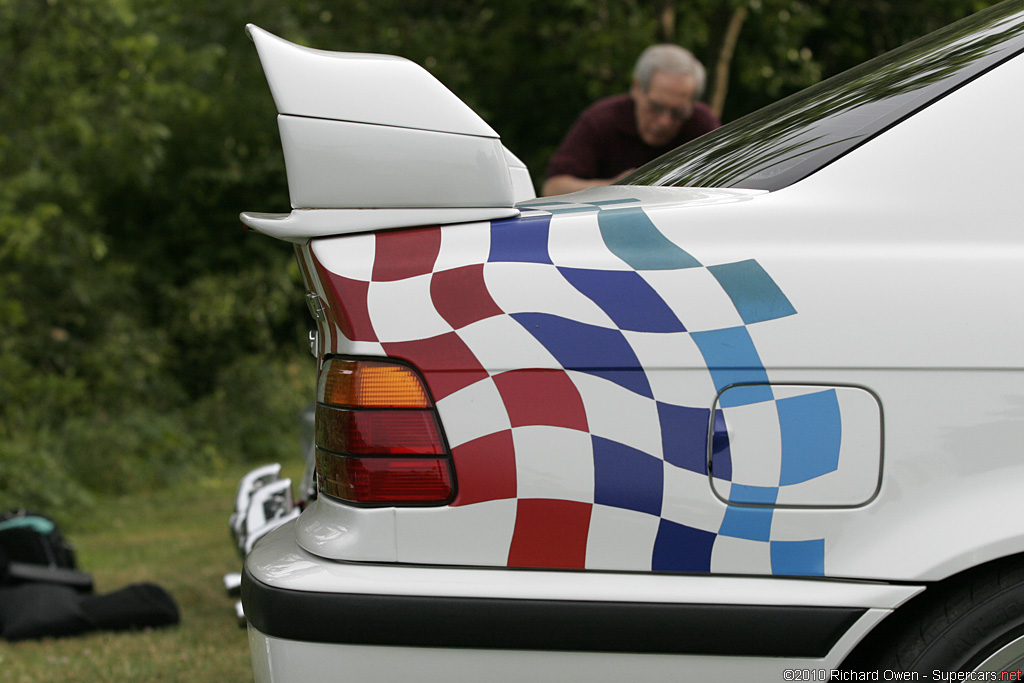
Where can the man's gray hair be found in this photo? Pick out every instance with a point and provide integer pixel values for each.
(670, 59)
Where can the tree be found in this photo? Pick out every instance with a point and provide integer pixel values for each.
(96, 97)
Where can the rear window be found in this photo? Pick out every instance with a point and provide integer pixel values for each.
(791, 139)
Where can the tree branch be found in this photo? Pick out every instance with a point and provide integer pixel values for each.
(732, 34)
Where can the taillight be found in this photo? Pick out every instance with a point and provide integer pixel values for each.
(377, 436)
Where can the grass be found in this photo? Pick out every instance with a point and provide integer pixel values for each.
(177, 538)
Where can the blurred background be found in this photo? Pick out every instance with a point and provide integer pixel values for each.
(144, 337)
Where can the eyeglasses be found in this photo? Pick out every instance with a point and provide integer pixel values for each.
(677, 113)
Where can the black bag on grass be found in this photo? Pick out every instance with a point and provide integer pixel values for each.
(32, 538)
(33, 550)
(43, 610)
(43, 594)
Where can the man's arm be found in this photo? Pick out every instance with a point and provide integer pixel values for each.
(564, 184)
(575, 164)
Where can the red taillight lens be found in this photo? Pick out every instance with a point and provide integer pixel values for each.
(389, 481)
(377, 436)
(377, 432)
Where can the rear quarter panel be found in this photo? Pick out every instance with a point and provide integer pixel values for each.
(577, 354)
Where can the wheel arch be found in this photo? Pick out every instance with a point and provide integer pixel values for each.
(916, 621)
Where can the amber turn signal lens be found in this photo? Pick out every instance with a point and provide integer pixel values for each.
(371, 384)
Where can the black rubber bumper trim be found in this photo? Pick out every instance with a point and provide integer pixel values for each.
(566, 625)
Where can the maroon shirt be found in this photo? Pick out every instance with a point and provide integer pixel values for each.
(604, 141)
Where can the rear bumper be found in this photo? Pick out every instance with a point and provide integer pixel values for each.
(531, 624)
(350, 615)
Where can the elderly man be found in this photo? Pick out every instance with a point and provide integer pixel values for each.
(620, 133)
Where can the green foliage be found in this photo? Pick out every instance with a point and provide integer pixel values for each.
(143, 335)
(220, 315)
(32, 476)
(253, 414)
(126, 284)
(139, 449)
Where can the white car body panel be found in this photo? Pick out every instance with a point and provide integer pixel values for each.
(286, 565)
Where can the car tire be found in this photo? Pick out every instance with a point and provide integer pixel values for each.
(972, 622)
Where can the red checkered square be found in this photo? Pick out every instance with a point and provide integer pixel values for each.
(461, 297)
(401, 254)
(550, 533)
(347, 301)
(541, 397)
(485, 469)
(445, 361)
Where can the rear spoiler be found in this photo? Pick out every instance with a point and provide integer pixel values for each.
(375, 141)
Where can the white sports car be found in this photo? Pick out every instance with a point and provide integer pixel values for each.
(754, 413)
